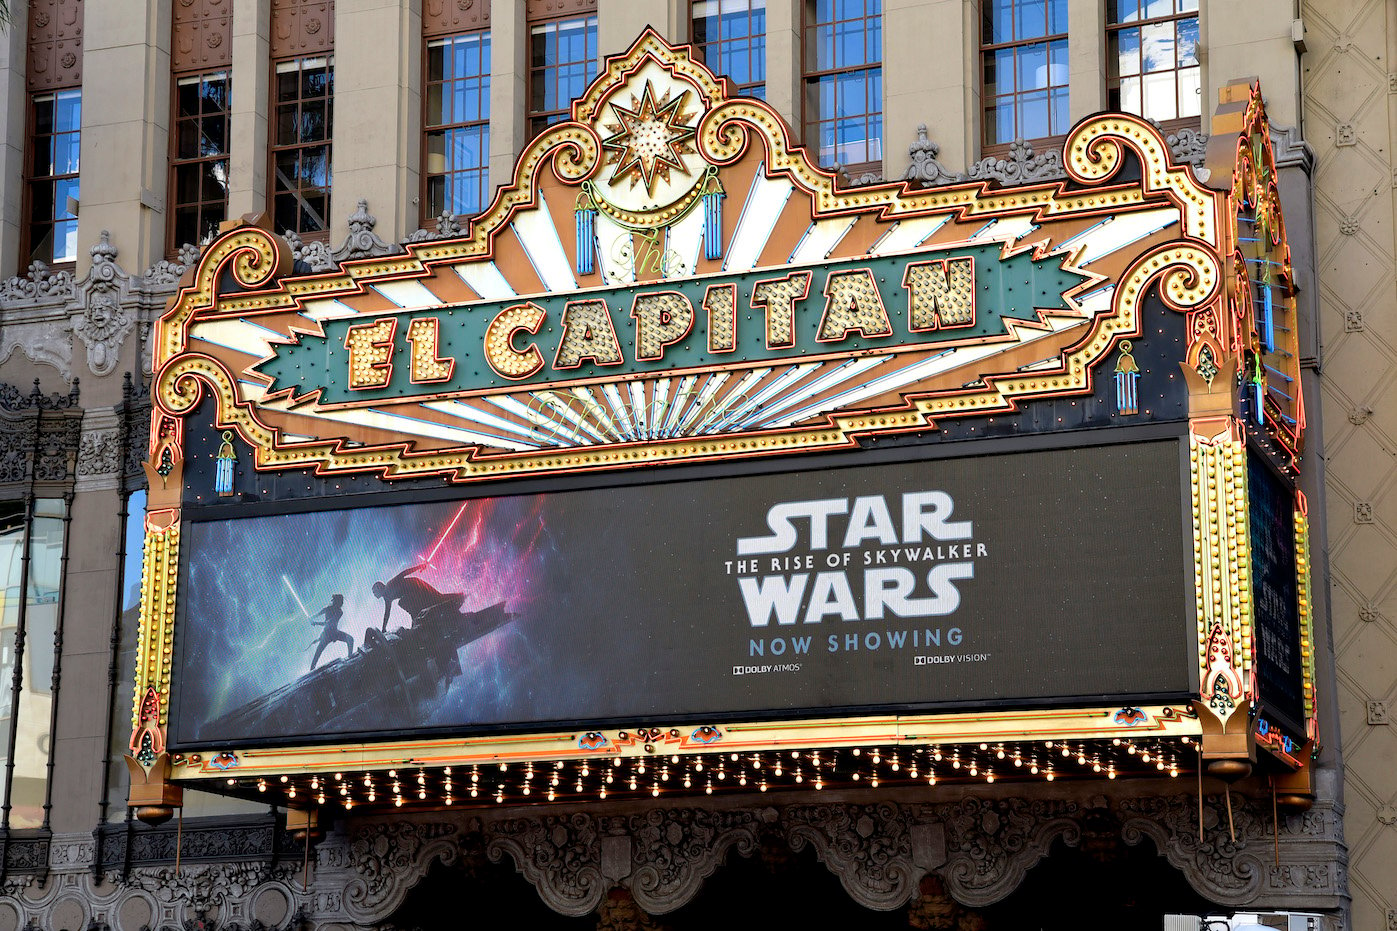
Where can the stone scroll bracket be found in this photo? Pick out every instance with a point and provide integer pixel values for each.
(621, 862)
(978, 850)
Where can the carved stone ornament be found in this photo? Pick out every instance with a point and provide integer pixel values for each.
(1188, 146)
(166, 273)
(938, 860)
(41, 282)
(1022, 165)
(446, 226)
(309, 256)
(99, 453)
(38, 434)
(925, 167)
(103, 323)
(363, 242)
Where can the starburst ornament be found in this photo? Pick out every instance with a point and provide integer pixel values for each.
(650, 140)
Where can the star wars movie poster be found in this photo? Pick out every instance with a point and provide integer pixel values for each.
(898, 586)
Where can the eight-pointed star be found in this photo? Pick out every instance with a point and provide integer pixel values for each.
(650, 140)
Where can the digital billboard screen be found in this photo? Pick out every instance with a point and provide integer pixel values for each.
(1279, 666)
(910, 586)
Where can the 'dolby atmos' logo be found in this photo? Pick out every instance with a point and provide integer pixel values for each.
(871, 558)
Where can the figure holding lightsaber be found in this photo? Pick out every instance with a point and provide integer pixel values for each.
(414, 596)
(334, 613)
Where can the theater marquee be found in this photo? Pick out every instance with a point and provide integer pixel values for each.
(687, 445)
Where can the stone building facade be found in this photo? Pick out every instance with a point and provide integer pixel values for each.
(75, 323)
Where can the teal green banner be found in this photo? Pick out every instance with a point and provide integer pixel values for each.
(790, 314)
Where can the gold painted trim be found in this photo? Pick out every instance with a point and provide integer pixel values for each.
(1222, 571)
(155, 644)
(1189, 275)
(1303, 597)
(821, 733)
(1189, 270)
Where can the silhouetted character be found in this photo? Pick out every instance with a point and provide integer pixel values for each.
(334, 613)
(414, 596)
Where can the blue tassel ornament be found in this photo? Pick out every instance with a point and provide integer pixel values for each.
(713, 218)
(585, 222)
(1127, 375)
(223, 468)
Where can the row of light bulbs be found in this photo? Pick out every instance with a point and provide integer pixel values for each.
(552, 780)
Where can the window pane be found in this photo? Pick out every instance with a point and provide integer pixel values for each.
(67, 112)
(436, 197)
(1032, 20)
(1127, 51)
(187, 97)
(436, 61)
(1033, 115)
(1161, 102)
(1157, 46)
(31, 749)
(1190, 93)
(1188, 42)
(215, 189)
(1032, 67)
(1130, 95)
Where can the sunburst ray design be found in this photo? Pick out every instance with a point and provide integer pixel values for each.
(650, 140)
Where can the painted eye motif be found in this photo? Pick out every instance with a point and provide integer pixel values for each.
(593, 740)
(706, 734)
(1130, 717)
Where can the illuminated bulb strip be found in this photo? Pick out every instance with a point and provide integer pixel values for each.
(874, 767)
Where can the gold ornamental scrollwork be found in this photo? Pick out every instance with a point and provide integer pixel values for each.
(1095, 153)
(253, 256)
